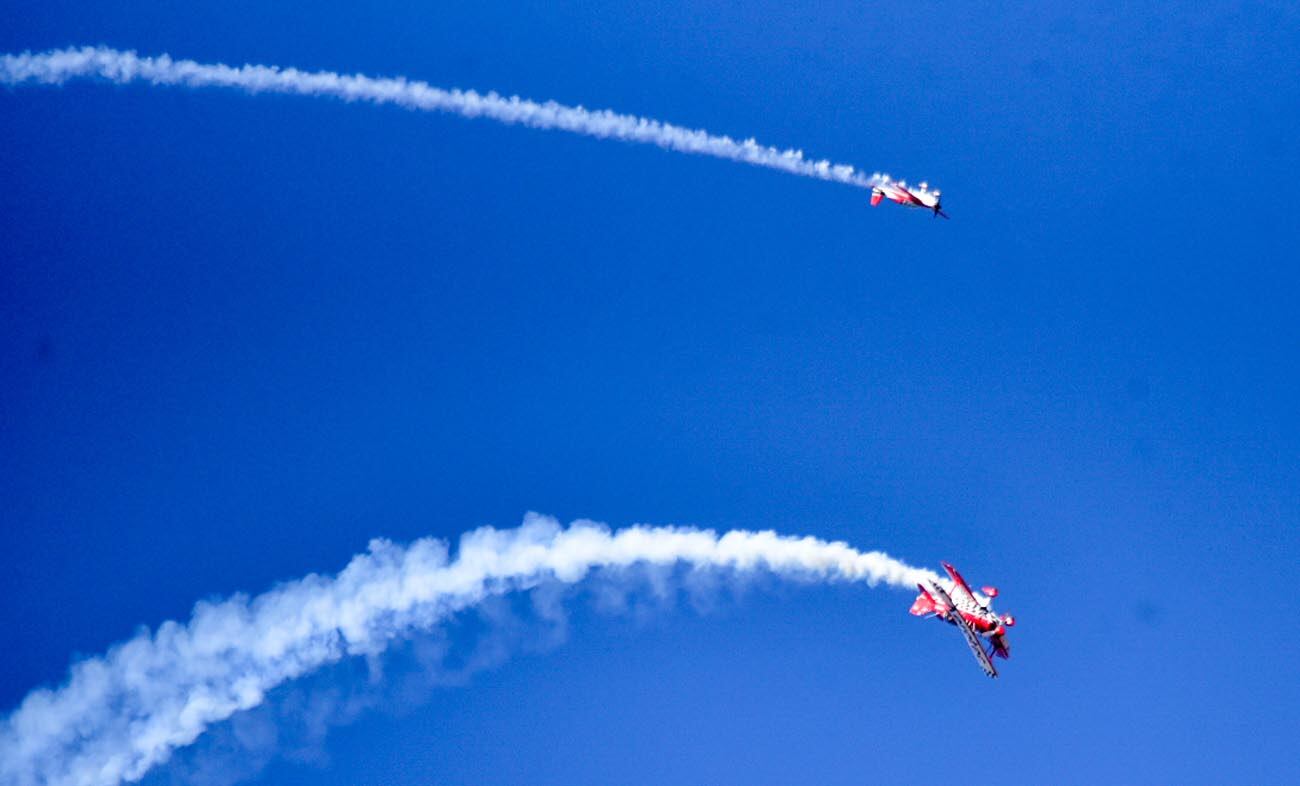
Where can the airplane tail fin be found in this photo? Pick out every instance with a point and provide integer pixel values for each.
(924, 603)
(876, 196)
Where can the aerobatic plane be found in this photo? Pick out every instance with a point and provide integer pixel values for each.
(970, 613)
(897, 191)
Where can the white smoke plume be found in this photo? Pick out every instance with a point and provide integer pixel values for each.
(60, 65)
(126, 711)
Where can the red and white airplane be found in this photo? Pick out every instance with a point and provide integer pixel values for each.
(897, 191)
(965, 610)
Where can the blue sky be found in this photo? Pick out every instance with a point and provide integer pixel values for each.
(241, 336)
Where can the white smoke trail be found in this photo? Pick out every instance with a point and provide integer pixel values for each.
(124, 712)
(60, 65)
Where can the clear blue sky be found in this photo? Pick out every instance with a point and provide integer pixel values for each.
(241, 336)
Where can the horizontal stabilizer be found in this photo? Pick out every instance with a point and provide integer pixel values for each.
(923, 605)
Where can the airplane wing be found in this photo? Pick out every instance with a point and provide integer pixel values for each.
(976, 648)
(972, 639)
(960, 587)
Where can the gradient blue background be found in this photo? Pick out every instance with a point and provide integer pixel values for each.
(241, 336)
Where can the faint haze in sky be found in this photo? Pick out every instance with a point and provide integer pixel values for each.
(242, 337)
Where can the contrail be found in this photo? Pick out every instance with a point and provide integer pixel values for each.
(122, 713)
(60, 65)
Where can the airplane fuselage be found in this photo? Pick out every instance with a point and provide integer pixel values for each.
(987, 624)
(899, 192)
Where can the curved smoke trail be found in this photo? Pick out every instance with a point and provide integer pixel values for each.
(60, 65)
(126, 711)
